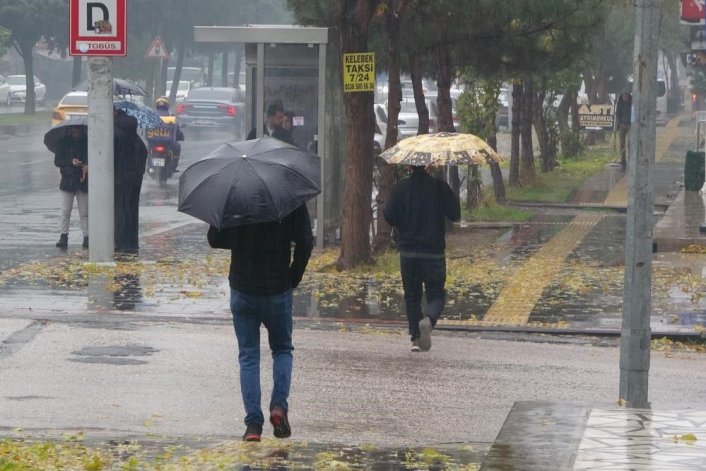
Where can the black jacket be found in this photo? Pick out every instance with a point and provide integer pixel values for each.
(68, 149)
(130, 158)
(283, 135)
(418, 207)
(253, 133)
(261, 254)
(623, 111)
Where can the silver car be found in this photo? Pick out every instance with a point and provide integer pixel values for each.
(409, 118)
(18, 87)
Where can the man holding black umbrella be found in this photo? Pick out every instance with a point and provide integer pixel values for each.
(261, 282)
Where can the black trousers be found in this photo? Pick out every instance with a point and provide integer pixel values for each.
(127, 212)
(420, 275)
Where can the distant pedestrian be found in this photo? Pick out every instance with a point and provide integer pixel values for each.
(71, 157)
(275, 115)
(262, 277)
(623, 121)
(130, 160)
(417, 208)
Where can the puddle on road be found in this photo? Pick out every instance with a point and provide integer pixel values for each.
(586, 292)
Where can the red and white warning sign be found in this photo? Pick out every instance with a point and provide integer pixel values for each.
(98, 28)
(157, 50)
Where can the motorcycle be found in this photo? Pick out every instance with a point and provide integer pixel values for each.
(161, 142)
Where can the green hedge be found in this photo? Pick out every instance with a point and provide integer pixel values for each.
(694, 170)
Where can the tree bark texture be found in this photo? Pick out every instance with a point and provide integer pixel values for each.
(497, 173)
(540, 126)
(445, 119)
(352, 19)
(383, 234)
(527, 171)
(25, 51)
(514, 177)
(419, 101)
(224, 68)
(177, 73)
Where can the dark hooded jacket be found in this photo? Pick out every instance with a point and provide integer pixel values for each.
(68, 149)
(623, 110)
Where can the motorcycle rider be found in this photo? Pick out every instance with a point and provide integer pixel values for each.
(162, 108)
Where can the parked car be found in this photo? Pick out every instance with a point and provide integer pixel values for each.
(215, 108)
(182, 91)
(409, 118)
(18, 87)
(5, 97)
(73, 104)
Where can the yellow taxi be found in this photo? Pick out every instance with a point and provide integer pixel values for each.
(73, 104)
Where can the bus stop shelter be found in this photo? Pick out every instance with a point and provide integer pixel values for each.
(295, 64)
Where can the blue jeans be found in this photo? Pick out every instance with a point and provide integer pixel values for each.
(275, 312)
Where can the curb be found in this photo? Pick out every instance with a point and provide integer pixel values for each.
(25, 128)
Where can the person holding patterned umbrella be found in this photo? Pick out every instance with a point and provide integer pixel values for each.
(418, 208)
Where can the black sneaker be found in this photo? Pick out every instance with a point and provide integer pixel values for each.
(253, 433)
(85, 243)
(278, 419)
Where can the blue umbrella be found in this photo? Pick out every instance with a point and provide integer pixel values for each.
(146, 117)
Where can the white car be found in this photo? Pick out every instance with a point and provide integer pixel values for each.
(5, 96)
(182, 91)
(19, 89)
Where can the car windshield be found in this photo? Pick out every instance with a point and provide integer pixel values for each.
(16, 80)
(75, 100)
(208, 94)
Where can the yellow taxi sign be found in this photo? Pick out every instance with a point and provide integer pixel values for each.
(359, 72)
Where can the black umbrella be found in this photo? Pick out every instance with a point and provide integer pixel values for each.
(52, 137)
(120, 87)
(260, 180)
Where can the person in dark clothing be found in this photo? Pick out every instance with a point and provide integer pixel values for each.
(262, 277)
(71, 157)
(284, 132)
(130, 160)
(623, 121)
(162, 109)
(417, 208)
(275, 114)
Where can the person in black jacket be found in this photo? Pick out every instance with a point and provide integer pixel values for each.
(284, 132)
(417, 208)
(71, 157)
(262, 277)
(130, 160)
(275, 115)
(623, 121)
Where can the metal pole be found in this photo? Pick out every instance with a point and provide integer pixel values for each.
(702, 191)
(260, 100)
(635, 334)
(321, 144)
(100, 161)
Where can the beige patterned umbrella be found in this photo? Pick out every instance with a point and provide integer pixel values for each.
(443, 148)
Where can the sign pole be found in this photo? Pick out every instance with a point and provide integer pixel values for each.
(635, 341)
(101, 196)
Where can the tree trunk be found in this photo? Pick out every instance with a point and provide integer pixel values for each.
(211, 60)
(177, 73)
(514, 178)
(25, 51)
(161, 88)
(474, 187)
(562, 114)
(353, 19)
(419, 101)
(527, 171)
(540, 127)
(224, 68)
(497, 173)
(443, 99)
(149, 86)
(76, 71)
(574, 107)
(383, 234)
(236, 66)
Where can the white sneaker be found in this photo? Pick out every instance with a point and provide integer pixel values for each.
(415, 346)
(425, 329)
